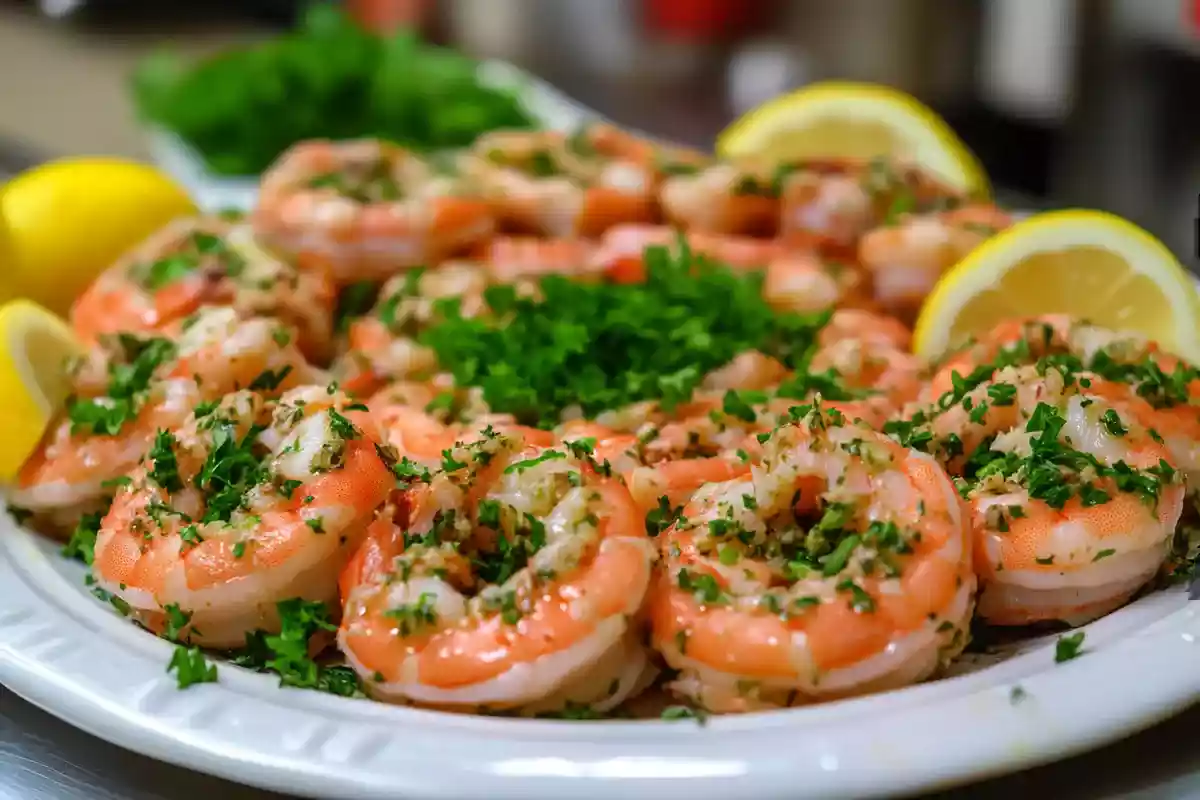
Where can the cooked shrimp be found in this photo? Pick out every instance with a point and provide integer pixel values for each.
(795, 280)
(621, 253)
(366, 209)
(149, 384)
(548, 184)
(222, 352)
(513, 579)
(248, 504)
(749, 370)
(420, 435)
(805, 283)
(513, 259)
(1074, 502)
(727, 199)
(713, 438)
(757, 609)
(383, 344)
(204, 261)
(873, 366)
(1167, 390)
(831, 204)
(854, 323)
(906, 259)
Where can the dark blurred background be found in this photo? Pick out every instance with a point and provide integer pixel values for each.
(1067, 102)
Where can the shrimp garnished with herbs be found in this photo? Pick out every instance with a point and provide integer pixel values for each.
(1074, 502)
(512, 578)
(840, 565)
(365, 209)
(250, 502)
(131, 386)
(194, 262)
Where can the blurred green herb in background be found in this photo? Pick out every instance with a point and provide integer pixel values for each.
(327, 79)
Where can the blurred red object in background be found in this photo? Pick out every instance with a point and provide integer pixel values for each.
(383, 16)
(706, 19)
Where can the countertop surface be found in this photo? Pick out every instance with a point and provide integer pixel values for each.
(42, 758)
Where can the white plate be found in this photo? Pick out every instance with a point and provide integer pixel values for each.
(551, 108)
(70, 654)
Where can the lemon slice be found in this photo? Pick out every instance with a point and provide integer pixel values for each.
(68, 220)
(35, 346)
(1088, 264)
(838, 119)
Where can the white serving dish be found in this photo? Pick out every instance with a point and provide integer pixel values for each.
(550, 107)
(73, 656)
(66, 652)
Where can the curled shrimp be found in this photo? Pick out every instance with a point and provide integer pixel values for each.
(906, 259)
(553, 185)
(621, 252)
(247, 504)
(872, 366)
(725, 199)
(1074, 503)
(382, 345)
(131, 386)
(204, 261)
(1165, 390)
(422, 435)
(831, 204)
(840, 565)
(513, 580)
(518, 259)
(365, 209)
(867, 326)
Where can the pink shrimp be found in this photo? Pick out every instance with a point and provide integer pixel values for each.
(204, 261)
(724, 199)
(548, 184)
(1074, 503)
(149, 384)
(364, 208)
(515, 579)
(906, 259)
(757, 612)
(203, 545)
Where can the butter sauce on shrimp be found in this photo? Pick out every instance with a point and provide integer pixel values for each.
(193, 262)
(1074, 503)
(840, 565)
(1165, 390)
(364, 209)
(250, 502)
(128, 387)
(513, 579)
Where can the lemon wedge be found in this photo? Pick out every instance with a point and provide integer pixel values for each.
(68, 220)
(1090, 264)
(35, 346)
(840, 119)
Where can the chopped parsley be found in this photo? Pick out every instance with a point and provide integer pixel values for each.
(190, 667)
(287, 654)
(1068, 646)
(229, 471)
(128, 385)
(603, 346)
(82, 543)
(165, 470)
(412, 618)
